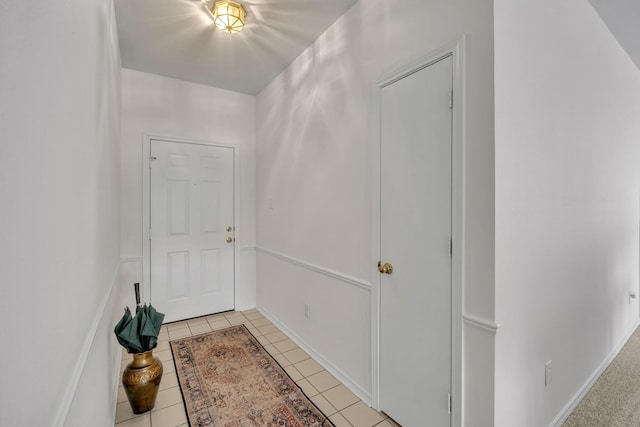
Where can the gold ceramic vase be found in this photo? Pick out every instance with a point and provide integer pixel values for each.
(141, 379)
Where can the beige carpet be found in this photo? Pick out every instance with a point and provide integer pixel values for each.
(614, 400)
(228, 379)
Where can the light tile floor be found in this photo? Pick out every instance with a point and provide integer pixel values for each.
(336, 401)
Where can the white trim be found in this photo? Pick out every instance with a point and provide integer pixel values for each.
(245, 307)
(146, 208)
(70, 390)
(332, 369)
(342, 277)
(481, 323)
(117, 364)
(456, 50)
(575, 400)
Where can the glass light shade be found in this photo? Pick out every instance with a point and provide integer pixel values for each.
(228, 16)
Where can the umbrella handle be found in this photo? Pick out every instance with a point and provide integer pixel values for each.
(136, 287)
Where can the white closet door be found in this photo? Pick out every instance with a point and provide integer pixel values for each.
(415, 299)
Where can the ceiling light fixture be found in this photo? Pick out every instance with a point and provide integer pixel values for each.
(228, 16)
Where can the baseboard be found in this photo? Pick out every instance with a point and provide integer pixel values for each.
(114, 387)
(332, 369)
(72, 386)
(575, 400)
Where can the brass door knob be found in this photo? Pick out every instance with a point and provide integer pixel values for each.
(385, 268)
(229, 239)
(229, 228)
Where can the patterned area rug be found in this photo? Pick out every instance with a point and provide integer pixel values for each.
(228, 379)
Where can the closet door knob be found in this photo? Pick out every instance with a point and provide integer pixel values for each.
(385, 268)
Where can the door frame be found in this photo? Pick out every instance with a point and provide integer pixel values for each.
(146, 206)
(456, 50)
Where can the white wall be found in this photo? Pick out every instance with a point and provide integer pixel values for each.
(59, 192)
(316, 123)
(170, 107)
(567, 188)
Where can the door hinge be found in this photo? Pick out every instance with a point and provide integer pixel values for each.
(151, 160)
(450, 405)
(450, 247)
(451, 98)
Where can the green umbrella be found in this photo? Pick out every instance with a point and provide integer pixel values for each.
(150, 323)
(139, 333)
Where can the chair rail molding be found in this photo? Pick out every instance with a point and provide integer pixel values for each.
(485, 325)
(318, 269)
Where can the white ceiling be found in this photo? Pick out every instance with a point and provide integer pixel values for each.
(177, 38)
(623, 19)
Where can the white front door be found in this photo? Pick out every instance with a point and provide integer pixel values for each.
(415, 299)
(192, 229)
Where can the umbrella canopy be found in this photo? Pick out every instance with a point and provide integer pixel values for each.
(139, 333)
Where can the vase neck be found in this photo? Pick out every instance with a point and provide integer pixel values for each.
(141, 360)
